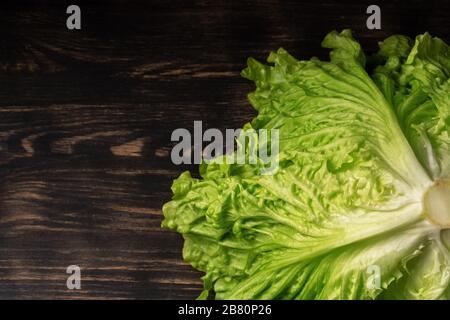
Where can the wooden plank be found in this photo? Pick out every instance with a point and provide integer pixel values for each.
(86, 118)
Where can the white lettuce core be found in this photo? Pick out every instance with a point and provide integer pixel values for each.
(437, 203)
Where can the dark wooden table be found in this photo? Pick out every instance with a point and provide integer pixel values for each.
(86, 118)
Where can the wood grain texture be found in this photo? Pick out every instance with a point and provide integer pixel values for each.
(86, 118)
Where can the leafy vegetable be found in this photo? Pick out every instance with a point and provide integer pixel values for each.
(363, 181)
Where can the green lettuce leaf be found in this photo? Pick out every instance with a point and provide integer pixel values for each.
(357, 154)
(415, 78)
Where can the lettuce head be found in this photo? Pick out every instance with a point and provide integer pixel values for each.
(363, 182)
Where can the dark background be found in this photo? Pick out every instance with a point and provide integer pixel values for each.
(86, 118)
